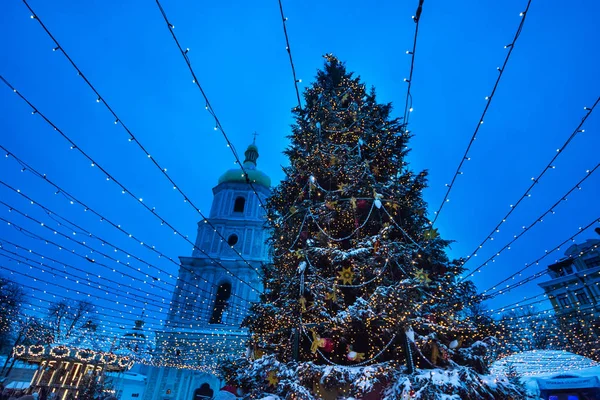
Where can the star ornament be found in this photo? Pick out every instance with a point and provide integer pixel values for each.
(422, 276)
(431, 233)
(346, 275)
(298, 254)
(272, 378)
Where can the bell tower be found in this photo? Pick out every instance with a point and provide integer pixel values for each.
(213, 293)
(215, 286)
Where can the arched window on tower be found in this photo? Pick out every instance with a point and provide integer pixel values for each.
(239, 204)
(223, 294)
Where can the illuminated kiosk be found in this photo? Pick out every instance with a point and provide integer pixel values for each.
(62, 369)
(569, 387)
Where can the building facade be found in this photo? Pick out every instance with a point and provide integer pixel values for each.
(574, 280)
(215, 288)
(574, 291)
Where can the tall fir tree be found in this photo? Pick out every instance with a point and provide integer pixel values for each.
(361, 299)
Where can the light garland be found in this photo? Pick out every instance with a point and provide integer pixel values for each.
(488, 100)
(60, 351)
(539, 219)
(132, 138)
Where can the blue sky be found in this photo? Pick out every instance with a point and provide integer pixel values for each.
(238, 52)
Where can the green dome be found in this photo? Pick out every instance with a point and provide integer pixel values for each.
(255, 176)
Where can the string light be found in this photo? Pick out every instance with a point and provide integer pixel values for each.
(133, 138)
(534, 182)
(536, 262)
(289, 51)
(485, 109)
(408, 104)
(122, 187)
(209, 107)
(535, 221)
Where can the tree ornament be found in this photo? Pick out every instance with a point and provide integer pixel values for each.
(361, 203)
(302, 302)
(377, 198)
(332, 295)
(330, 204)
(345, 97)
(324, 343)
(272, 378)
(353, 202)
(302, 267)
(431, 233)
(435, 353)
(422, 277)
(293, 210)
(346, 275)
(353, 355)
(376, 246)
(327, 345)
(455, 344)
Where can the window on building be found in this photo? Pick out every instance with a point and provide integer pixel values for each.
(135, 395)
(563, 300)
(239, 204)
(592, 262)
(582, 296)
(232, 239)
(567, 270)
(223, 294)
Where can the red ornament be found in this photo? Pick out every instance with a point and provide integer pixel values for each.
(303, 235)
(327, 345)
(356, 223)
(361, 204)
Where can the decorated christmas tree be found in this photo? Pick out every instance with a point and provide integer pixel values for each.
(361, 300)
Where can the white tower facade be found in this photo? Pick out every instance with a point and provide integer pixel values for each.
(215, 288)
